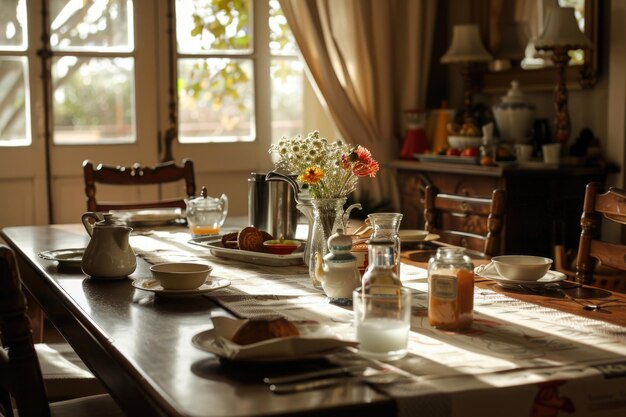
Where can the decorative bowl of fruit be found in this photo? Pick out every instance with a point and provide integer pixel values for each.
(467, 135)
(462, 142)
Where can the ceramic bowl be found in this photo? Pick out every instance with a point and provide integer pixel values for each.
(521, 267)
(281, 247)
(460, 142)
(181, 275)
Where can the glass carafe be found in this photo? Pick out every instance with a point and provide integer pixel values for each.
(380, 271)
(386, 226)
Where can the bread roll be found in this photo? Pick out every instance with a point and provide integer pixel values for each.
(257, 330)
(250, 239)
(229, 240)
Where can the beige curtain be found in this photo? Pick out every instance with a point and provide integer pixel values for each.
(369, 60)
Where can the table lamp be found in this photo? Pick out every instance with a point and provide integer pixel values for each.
(560, 35)
(467, 49)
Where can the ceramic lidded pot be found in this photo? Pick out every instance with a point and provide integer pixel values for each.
(338, 271)
(514, 116)
(108, 254)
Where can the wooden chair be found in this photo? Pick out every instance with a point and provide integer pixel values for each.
(475, 223)
(603, 276)
(137, 175)
(21, 376)
(599, 206)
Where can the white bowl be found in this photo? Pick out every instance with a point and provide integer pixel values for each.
(181, 275)
(522, 267)
(460, 142)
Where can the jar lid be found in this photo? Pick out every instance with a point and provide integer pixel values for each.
(514, 98)
(515, 94)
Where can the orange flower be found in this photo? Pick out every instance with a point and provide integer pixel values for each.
(361, 162)
(311, 175)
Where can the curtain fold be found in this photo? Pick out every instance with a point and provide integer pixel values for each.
(369, 60)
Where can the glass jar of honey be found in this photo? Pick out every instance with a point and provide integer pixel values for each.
(450, 289)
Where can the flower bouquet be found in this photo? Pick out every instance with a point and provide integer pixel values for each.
(328, 169)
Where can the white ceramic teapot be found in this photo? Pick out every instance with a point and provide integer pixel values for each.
(108, 254)
(338, 271)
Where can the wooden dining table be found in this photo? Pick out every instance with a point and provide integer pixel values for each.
(139, 344)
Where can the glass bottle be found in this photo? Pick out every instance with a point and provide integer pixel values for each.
(450, 289)
(386, 226)
(380, 270)
(487, 155)
(415, 141)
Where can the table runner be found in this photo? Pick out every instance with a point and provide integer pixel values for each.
(540, 359)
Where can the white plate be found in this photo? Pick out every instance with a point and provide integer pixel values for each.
(153, 285)
(259, 258)
(65, 257)
(407, 235)
(315, 341)
(550, 277)
(148, 217)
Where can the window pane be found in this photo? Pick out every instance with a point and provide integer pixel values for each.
(216, 100)
(14, 105)
(287, 100)
(103, 25)
(213, 26)
(282, 41)
(93, 100)
(13, 24)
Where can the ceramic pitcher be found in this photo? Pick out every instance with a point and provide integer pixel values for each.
(108, 254)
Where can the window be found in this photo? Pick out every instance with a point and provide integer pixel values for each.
(236, 65)
(223, 50)
(93, 71)
(14, 85)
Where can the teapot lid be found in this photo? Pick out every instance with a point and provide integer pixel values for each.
(204, 200)
(340, 245)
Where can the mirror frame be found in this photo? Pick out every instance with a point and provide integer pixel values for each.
(543, 79)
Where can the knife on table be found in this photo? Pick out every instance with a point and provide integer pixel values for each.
(287, 379)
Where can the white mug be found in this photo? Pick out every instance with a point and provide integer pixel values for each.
(523, 152)
(551, 153)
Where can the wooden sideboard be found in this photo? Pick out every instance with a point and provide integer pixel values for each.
(543, 204)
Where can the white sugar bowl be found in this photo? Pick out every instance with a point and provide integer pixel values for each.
(514, 116)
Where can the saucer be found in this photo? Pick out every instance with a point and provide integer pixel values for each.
(550, 277)
(153, 285)
(413, 235)
(67, 258)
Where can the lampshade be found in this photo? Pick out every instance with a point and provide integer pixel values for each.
(466, 46)
(561, 29)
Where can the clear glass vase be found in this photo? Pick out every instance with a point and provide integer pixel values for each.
(328, 216)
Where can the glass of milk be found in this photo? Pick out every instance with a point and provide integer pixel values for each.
(382, 320)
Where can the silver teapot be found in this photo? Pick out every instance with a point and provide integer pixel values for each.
(108, 254)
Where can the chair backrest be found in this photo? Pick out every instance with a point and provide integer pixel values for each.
(137, 175)
(23, 375)
(597, 206)
(474, 223)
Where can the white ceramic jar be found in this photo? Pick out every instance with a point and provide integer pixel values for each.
(514, 116)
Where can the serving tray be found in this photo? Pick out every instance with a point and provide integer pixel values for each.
(260, 258)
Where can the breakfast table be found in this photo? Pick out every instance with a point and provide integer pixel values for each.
(531, 351)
